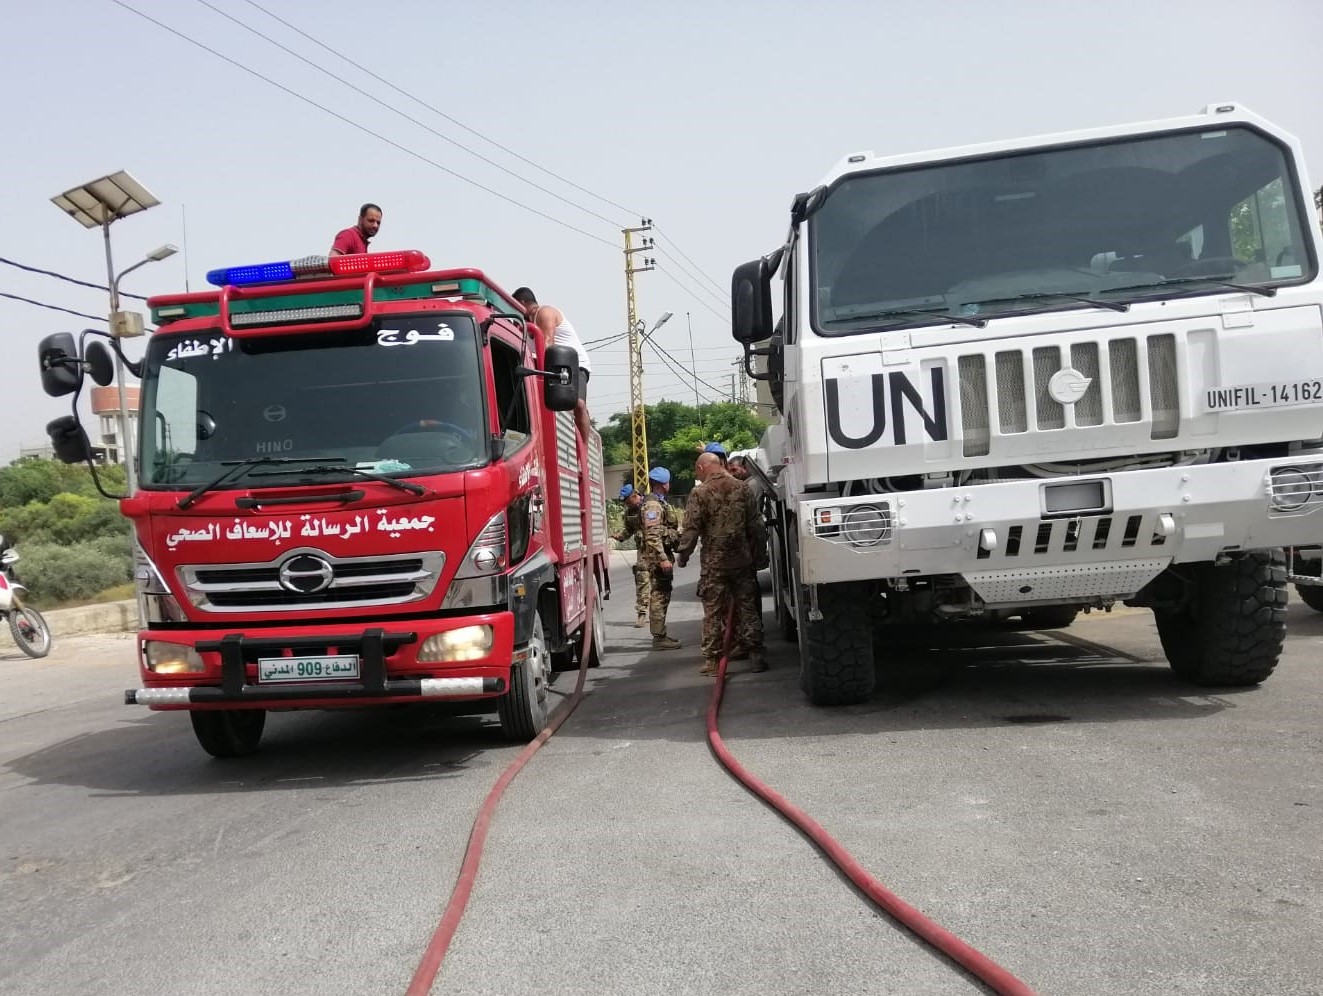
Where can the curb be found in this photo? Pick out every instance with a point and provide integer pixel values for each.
(107, 617)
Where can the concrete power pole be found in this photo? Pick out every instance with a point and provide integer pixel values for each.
(638, 420)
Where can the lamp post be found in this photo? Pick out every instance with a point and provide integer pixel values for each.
(97, 204)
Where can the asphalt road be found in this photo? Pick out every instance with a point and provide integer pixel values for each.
(1065, 805)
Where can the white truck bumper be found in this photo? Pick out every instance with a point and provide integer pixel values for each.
(1101, 536)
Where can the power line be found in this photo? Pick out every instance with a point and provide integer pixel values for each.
(676, 260)
(435, 110)
(52, 307)
(721, 291)
(367, 131)
(688, 290)
(698, 273)
(68, 279)
(377, 100)
(676, 365)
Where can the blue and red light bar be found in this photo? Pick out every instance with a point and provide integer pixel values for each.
(403, 261)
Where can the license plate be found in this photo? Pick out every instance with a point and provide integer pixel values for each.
(331, 667)
(1242, 396)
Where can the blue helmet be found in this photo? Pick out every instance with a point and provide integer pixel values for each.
(716, 448)
(626, 491)
(660, 475)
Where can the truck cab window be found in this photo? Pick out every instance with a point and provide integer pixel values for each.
(511, 394)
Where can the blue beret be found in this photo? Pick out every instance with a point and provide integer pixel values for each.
(715, 448)
(660, 474)
(626, 491)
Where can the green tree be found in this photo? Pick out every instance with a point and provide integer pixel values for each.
(676, 432)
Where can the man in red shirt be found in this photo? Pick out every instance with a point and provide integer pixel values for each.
(355, 240)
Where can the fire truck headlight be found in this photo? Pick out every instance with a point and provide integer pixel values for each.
(468, 643)
(155, 602)
(171, 658)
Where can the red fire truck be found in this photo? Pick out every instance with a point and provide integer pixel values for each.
(360, 482)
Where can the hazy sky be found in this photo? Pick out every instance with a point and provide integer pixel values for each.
(706, 117)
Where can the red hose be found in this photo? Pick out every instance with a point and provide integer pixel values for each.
(425, 975)
(975, 962)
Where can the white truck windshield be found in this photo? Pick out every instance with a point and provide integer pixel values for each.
(1102, 224)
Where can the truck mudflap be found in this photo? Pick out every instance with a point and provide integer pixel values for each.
(374, 646)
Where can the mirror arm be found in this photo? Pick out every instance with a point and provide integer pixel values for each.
(545, 374)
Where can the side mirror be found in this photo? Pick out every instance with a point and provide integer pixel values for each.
(100, 364)
(69, 440)
(561, 391)
(61, 369)
(751, 302)
(10, 556)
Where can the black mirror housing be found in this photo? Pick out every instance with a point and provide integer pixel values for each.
(61, 369)
(561, 387)
(100, 364)
(751, 302)
(69, 439)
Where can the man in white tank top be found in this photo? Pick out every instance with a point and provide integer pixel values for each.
(558, 330)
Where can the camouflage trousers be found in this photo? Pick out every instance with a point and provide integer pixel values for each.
(659, 599)
(718, 589)
(642, 590)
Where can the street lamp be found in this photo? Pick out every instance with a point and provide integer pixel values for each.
(95, 204)
(666, 317)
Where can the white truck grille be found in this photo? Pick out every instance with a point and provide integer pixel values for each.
(1003, 392)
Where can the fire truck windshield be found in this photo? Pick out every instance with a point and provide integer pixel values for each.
(1102, 224)
(404, 396)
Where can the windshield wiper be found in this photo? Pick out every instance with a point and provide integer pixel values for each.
(327, 468)
(233, 468)
(1042, 295)
(1247, 288)
(977, 323)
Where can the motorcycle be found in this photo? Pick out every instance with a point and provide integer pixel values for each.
(26, 625)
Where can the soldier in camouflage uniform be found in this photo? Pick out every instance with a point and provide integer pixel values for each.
(724, 514)
(660, 532)
(634, 527)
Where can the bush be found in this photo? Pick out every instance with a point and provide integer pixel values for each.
(55, 573)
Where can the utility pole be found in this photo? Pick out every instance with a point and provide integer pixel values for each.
(693, 363)
(638, 422)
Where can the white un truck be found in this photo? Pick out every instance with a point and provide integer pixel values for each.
(1031, 377)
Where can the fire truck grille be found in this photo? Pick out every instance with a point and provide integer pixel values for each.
(304, 579)
(1129, 380)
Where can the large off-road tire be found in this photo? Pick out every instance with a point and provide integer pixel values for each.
(1311, 595)
(229, 732)
(1232, 630)
(836, 652)
(1050, 616)
(523, 709)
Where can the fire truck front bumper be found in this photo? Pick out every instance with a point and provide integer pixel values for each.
(306, 669)
(1088, 536)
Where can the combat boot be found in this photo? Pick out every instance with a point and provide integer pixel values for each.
(709, 669)
(738, 654)
(642, 621)
(756, 663)
(665, 643)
